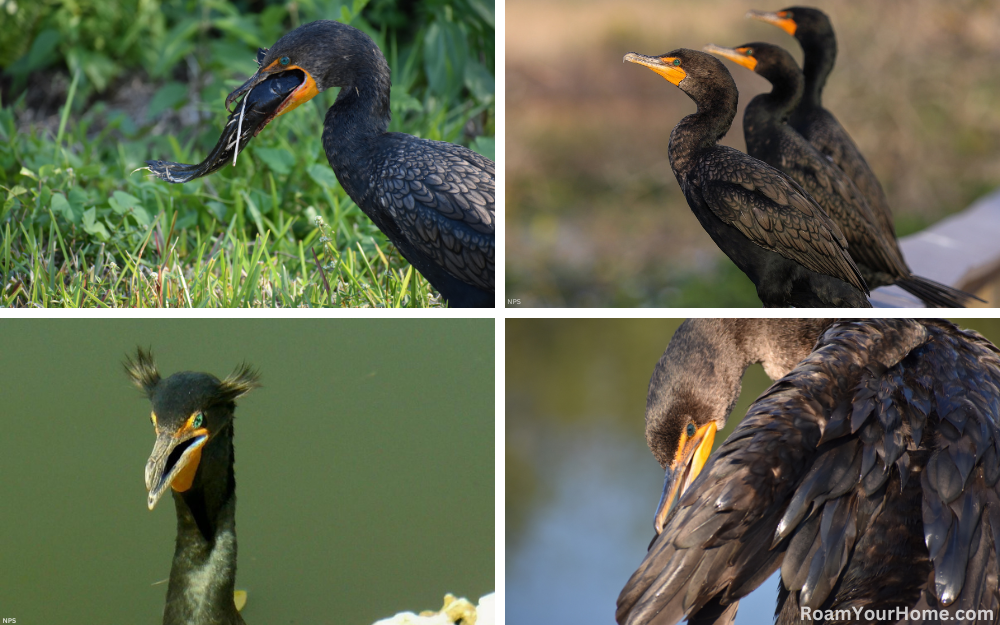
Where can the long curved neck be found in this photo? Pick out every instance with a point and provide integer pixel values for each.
(711, 355)
(203, 574)
(703, 129)
(700, 374)
(358, 117)
(772, 109)
(819, 56)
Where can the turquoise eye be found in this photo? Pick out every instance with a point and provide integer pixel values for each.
(749, 52)
(198, 419)
(690, 430)
(677, 62)
(285, 60)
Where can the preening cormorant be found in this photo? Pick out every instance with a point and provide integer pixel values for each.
(762, 219)
(770, 138)
(869, 473)
(193, 457)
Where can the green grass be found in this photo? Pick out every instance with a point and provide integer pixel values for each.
(82, 225)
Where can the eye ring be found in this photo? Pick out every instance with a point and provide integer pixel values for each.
(690, 430)
(198, 420)
(285, 60)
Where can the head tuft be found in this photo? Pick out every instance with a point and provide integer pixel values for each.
(142, 371)
(240, 382)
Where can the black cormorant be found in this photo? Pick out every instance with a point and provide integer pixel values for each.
(193, 457)
(771, 139)
(812, 28)
(434, 200)
(869, 473)
(762, 219)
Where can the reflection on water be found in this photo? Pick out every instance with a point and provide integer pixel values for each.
(581, 483)
(576, 553)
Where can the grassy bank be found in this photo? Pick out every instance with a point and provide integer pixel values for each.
(81, 224)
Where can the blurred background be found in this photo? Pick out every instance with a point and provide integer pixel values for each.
(581, 483)
(594, 213)
(364, 467)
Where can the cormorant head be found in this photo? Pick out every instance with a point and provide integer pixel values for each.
(189, 410)
(691, 393)
(326, 53)
(803, 23)
(770, 61)
(700, 75)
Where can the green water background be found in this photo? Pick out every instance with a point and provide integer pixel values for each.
(364, 467)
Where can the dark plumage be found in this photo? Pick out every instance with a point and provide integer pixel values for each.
(812, 28)
(869, 473)
(193, 456)
(434, 200)
(770, 138)
(758, 216)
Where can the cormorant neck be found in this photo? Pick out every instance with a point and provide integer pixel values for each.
(700, 374)
(820, 54)
(361, 112)
(703, 129)
(203, 574)
(774, 107)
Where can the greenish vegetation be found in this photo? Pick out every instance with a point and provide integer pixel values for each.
(82, 225)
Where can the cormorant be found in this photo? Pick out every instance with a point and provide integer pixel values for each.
(869, 473)
(434, 200)
(763, 220)
(771, 139)
(812, 28)
(193, 456)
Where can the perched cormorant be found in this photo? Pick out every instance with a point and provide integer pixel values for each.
(770, 138)
(869, 473)
(434, 200)
(763, 220)
(811, 27)
(193, 456)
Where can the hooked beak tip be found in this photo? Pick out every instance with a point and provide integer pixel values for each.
(245, 87)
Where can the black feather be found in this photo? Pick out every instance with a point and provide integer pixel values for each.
(142, 371)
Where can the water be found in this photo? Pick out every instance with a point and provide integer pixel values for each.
(364, 467)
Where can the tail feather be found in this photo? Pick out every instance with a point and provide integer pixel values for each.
(934, 294)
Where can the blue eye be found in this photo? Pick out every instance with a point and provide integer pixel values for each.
(690, 430)
(285, 60)
(677, 62)
(198, 419)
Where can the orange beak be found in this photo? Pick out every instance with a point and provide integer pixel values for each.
(174, 461)
(666, 66)
(736, 55)
(779, 19)
(692, 454)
